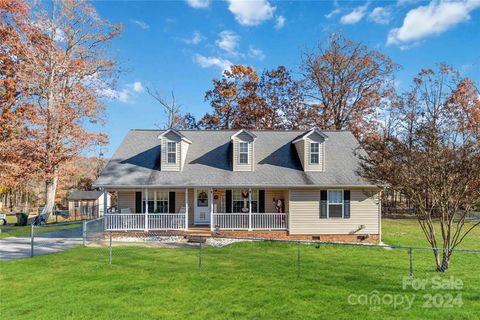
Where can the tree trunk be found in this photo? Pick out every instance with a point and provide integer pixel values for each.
(50, 192)
(442, 266)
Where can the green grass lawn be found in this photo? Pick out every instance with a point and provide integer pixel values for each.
(18, 231)
(245, 280)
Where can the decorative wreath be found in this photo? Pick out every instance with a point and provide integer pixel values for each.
(245, 194)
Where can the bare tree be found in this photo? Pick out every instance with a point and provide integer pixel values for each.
(172, 109)
(432, 157)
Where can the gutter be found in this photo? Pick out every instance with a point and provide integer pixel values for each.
(235, 186)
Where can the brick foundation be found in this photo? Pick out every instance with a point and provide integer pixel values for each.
(284, 235)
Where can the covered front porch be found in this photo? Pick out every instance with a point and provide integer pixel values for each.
(213, 209)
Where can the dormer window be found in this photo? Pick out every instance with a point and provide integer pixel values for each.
(243, 152)
(310, 147)
(171, 152)
(314, 153)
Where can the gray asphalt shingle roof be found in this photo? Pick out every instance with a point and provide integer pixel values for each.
(208, 162)
(84, 195)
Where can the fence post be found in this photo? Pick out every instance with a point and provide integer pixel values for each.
(110, 255)
(32, 237)
(411, 265)
(298, 260)
(84, 232)
(200, 256)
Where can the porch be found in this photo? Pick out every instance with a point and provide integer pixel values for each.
(194, 208)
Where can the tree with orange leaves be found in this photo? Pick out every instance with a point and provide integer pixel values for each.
(347, 84)
(15, 108)
(64, 68)
(242, 99)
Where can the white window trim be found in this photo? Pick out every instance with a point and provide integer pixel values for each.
(150, 211)
(240, 152)
(171, 152)
(317, 153)
(343, 204)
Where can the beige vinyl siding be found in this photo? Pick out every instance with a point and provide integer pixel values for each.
(126, 199)
(243, 137)
(179, 201)
(305, 214)
(271, 194)
(300, 147)
(183, 152)
(164, 165)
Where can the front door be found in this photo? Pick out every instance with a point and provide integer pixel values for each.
(202, 206)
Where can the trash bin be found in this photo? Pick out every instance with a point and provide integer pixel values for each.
(21, 218)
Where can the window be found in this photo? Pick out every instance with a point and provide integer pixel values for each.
(75, 203)
(240, 201)
(243, 152)
(157, 202)
(202, 199)
(314, 153)
(335, 204)
(171, 152)
(161, 202)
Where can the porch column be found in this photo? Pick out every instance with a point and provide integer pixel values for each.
(249, 209)
(212, 225)
(146, 209)
(186, 209)
(105, 202)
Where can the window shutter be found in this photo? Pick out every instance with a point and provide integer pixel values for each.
(261, 201)
(323, 204)
(228, 201)
(138, 202)
(171, 202)
(346, 204)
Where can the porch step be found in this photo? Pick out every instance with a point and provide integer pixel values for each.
(196, 239)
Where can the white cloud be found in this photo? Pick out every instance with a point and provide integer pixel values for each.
(198, 4)
(196, 38)
(333, 13)
(141, 24)
(112, 94)
(279, 22)
(206, 62)
(355, 16)
(256, 53)
(431, 19)
(406, 2)
(380, 15)
(228, 41)
(251, 13)
(125, 95)
(137, 86)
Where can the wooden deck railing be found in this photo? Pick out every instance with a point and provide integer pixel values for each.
(258, 221)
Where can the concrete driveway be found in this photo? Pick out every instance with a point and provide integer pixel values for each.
(50, 242)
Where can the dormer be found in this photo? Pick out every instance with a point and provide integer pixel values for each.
(310, 148)
(173, 150)
(243, 150)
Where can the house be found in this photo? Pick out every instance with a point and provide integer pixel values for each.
(275, 184)
(87, 204)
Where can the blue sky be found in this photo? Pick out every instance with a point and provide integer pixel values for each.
(182, 45)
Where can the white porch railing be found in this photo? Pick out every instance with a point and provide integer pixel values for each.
(269, 221)
(259, 221)
(136, 221)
